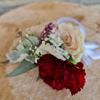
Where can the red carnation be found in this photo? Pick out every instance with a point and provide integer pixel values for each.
(61, 74)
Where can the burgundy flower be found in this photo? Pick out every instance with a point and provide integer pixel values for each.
(60, 74)
(49, 29)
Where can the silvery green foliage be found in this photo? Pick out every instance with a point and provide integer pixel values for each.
(22, 57)
(13, 55)
(34, 40)
(22, 50)
(30, 58)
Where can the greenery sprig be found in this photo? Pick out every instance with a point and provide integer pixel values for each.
(25, 53)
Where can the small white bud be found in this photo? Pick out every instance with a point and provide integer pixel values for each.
(28, 29)
(43, 42)
(20, 29)
(58, 41)
(53, 31)
(52, 36)
(46, 39)
(30, 48)
(44, 31)
(23, 47)
(65, 53)
(20, 41)
(35, 47)
(27, 35)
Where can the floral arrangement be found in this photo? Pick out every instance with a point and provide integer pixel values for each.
(57, 53)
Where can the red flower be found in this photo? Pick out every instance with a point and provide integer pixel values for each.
(61, 74)
(47, 31)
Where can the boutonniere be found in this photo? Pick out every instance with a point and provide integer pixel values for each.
(57, 53)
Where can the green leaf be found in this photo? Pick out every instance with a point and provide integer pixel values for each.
(7, 61)
(34, 40)
(30, 58)
(22, 68)
(21, 50)
(38, 77)
(22, 57)
(13, 55)
(26, 43)
(72, 61)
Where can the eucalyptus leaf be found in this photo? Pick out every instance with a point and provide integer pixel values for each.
(22, 68)
(38, 77)
(7, 61)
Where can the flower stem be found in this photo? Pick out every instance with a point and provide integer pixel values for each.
(71, 60)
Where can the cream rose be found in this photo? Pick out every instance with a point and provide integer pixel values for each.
(73, 39)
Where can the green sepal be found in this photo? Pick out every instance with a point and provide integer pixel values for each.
(38, 77)
(22, 68)
(71, 60)
(7, 61)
